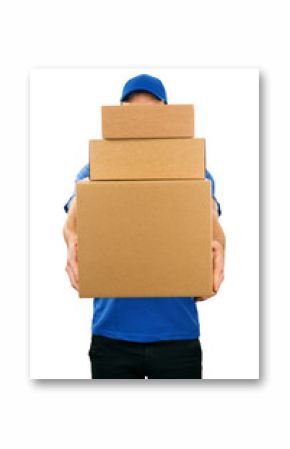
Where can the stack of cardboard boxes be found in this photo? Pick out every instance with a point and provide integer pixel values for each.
(144, 219)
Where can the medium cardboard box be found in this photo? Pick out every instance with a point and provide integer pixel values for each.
(144, 238)
(147, 121)
(147, 159)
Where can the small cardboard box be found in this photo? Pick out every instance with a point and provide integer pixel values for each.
(147, 159)
(147, 121)
(144, 238)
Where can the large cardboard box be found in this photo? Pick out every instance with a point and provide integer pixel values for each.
(147, 121)
(144, 238)
(147, 159)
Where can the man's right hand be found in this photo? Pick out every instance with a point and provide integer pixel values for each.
(72, 263)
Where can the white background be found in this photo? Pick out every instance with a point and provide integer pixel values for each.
(64, 114)
(128, 414)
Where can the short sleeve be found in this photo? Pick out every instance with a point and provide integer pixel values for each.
(82, 174)
(210, 177)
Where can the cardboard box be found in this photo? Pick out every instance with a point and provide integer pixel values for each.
(147, 159)
(147, 121)
(144, 238)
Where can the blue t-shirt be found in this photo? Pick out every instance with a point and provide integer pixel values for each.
(145, 319)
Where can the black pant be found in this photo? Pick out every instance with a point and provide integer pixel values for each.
(121, 359)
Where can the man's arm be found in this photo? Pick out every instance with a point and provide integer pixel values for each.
(70, 236)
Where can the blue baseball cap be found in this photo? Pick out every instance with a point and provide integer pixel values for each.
(144, 83)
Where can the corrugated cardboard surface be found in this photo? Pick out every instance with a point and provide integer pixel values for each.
(147, 121)
(144, 238)
(147, 159)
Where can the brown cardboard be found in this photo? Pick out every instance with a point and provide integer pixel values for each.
(144, 238)
(147, 159)
(147, 121)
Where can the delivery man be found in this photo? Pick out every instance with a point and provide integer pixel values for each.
(144, 337)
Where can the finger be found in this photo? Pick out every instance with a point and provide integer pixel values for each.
(220, 280)
(216, 283)
(218, 270)
(72, 261)
(70, 276)
(216, 245)
(216, 280)
(73, 281)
